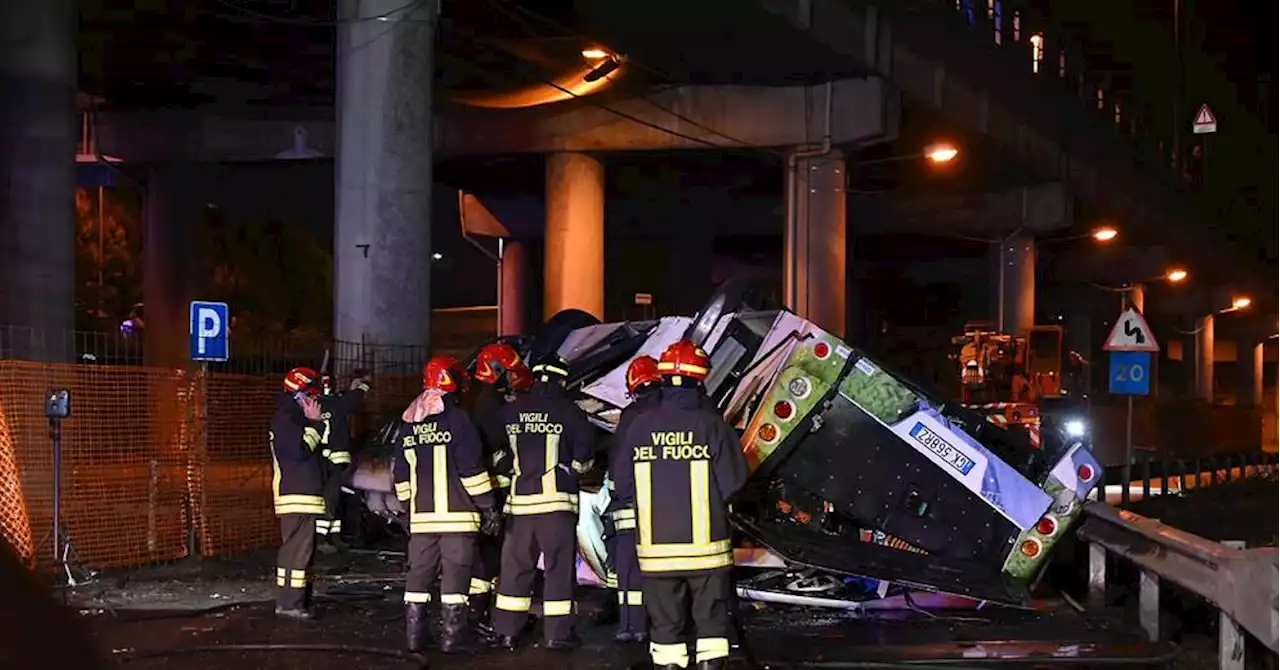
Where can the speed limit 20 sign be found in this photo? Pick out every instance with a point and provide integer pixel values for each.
(1130, 373)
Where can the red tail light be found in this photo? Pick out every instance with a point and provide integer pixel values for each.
(784, 409)
(1085, 473)
(1047, 526)
(822, 350)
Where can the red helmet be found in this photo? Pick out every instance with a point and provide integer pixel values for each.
(643, 370)
(519, 378)
(303, 379)
(443, 373)
(685, 359)
(494, 360)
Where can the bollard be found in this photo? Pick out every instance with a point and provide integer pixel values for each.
(1230, 637)
(1097, 575)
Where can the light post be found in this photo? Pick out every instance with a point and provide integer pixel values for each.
(1102, 234)
(1135, 293)
(1203, 333)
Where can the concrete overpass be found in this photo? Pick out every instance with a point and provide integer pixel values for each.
(831, 85)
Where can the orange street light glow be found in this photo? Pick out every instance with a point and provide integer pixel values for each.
(594, 54)
(941, 153)
(1241, 303)
(1176, 276)
(1105, 234)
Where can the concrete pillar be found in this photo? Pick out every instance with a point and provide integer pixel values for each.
(574, 257)
(173, 216)
(1249, 357)
(382, 236)
(1203, 360)
(815, 256)
(1015, 284)
(512, 277)
(38, 133)
(1137, 297)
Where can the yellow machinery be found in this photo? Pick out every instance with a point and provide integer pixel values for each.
(1005, 376)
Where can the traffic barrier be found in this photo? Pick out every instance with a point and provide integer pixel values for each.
(1241, 583)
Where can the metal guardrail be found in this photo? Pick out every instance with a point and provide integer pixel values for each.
(1241, 583)
(1150, 477)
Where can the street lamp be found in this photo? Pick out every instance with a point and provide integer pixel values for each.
(1135, 293)
(594, 54)
(1238, 303)
(941, 153)
(1105, 234)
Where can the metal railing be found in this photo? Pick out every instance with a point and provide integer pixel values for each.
(1149, 477)
(1240, 582)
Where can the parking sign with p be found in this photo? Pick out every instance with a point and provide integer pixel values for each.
(209, 336)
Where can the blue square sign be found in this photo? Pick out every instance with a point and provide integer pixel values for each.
(209, 329)
(1130, 373)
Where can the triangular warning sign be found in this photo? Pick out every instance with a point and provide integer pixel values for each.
(1205, 122)
(1131, 333)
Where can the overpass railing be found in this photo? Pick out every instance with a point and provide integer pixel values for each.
(1150, 477)
(1241, 583)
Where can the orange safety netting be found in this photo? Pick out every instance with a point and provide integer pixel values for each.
(123, 461)
(156, 463)
(230, 472)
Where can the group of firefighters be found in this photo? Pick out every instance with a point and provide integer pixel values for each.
(491, 490)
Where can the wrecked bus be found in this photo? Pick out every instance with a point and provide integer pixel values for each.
(861, 478)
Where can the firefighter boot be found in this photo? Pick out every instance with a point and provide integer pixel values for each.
(415, 620)
(570, 642)
(453, 629)
(479, 617)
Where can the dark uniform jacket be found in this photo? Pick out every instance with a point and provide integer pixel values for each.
(621, 509)
(549, 444)
(335, 414)
(486, 405)
(440, 472)
(296, 483)
(686, 463)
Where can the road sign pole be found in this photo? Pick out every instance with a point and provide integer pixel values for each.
(1128, 448)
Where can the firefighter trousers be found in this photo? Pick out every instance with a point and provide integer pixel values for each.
(331, 523)
(443, 556)
(672, 601)
(554, 536)
(631, 613)
(485, 565)
(293, 560)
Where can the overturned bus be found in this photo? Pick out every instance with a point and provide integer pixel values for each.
(861, 479)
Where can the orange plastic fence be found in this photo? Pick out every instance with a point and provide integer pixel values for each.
(123, 461)
(154, 461)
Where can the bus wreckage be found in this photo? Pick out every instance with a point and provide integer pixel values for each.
(862, 480)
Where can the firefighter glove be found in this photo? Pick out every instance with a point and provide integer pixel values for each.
(490, 521)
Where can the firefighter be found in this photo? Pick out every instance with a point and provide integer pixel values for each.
(440, 474)
(335, 440)
(499, 375)
(643, 383)
(551, 444)
(296, 487)
(686, 463)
